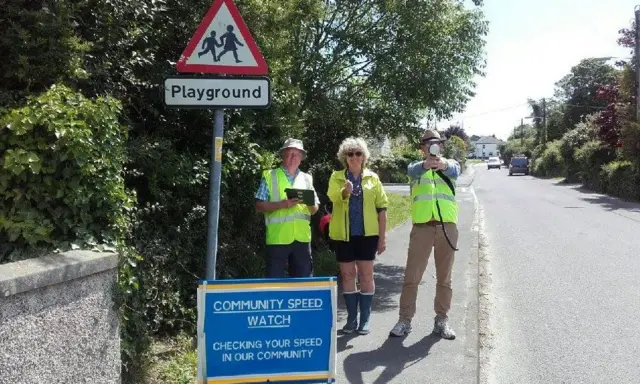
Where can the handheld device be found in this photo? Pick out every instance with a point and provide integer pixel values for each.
(305, 195)
(434, 149)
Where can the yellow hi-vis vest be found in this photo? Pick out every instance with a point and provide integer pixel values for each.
(424, 192)
(285, 226)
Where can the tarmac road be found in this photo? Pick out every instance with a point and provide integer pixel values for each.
(565, 289)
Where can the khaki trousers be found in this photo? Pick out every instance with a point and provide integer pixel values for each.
(424, 237)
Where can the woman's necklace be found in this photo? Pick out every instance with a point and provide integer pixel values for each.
(357, 185)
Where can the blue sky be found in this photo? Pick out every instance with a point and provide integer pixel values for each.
(530, 46)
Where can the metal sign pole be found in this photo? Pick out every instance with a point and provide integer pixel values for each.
(214, 193)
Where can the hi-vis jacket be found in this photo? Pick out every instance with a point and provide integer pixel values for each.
(285, 226)
(374, 198)
(424, 193)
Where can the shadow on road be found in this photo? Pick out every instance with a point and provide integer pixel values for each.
(392, 355)
(388, 280)
(608, 202)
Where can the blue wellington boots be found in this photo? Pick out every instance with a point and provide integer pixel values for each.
(365, 312)
(351, 301)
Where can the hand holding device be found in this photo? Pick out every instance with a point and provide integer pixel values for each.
(348, 186)
(288, 203)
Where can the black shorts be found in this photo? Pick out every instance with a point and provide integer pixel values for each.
(358, 248)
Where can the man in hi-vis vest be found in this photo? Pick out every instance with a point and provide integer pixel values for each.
(434, 213)
(287, 220)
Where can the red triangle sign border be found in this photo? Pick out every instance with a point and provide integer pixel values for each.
(260, 69)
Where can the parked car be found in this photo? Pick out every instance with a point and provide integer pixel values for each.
(493, 162)
(519, 165)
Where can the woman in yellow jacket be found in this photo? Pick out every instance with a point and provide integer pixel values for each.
(358, 229)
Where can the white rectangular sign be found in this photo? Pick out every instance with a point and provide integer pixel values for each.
(189, 92)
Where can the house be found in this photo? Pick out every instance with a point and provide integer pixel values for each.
(379, 148)
(487, 146)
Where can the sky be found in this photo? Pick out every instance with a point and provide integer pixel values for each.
(530, 46)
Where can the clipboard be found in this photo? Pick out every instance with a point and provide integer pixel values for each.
(307, 196)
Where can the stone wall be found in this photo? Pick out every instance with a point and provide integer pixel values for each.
(58, 320)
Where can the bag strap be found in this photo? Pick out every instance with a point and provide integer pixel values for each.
(447, 180)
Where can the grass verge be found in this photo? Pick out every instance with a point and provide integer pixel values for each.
(399, 210)
(175, 361)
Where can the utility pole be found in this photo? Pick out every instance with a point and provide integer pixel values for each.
(637, 12)
(544, 120)
(522, 132)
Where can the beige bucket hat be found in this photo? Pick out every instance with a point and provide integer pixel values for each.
(293, 143)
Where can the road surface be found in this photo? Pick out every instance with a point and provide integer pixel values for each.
(565, 282)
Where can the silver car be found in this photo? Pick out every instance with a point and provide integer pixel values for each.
(494, 162)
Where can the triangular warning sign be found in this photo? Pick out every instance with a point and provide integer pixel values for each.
(222, 44)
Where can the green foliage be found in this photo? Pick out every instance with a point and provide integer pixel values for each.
(391, 169)
(579, 89)
(571, 142)
(456, 148)
(39, 47)
(551, 163)
(517, 147)
(399, 210)
(181, 367)
(630, 137)
(61, 185)
(621, 178)
(62, 188)
(591, 157)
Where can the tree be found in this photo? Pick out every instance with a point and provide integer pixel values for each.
(456, 130)
(578, 90)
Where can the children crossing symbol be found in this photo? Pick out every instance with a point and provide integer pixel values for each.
(222, 44)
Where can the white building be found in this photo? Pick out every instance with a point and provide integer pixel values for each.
(379, 147)
(488, 146)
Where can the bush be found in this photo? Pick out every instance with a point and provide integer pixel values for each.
(591, 157)
(456, 148)
(393, 169)
(571, 141)
(630, 135)
(62, 187)
(621, 179)
(550, 163)
(61, 184)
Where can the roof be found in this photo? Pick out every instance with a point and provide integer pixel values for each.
(489, 140)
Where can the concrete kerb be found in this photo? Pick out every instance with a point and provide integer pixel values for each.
(485, 306)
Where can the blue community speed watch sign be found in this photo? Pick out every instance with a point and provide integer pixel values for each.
(267, 331)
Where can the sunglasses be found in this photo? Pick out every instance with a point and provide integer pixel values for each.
(351, 154)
